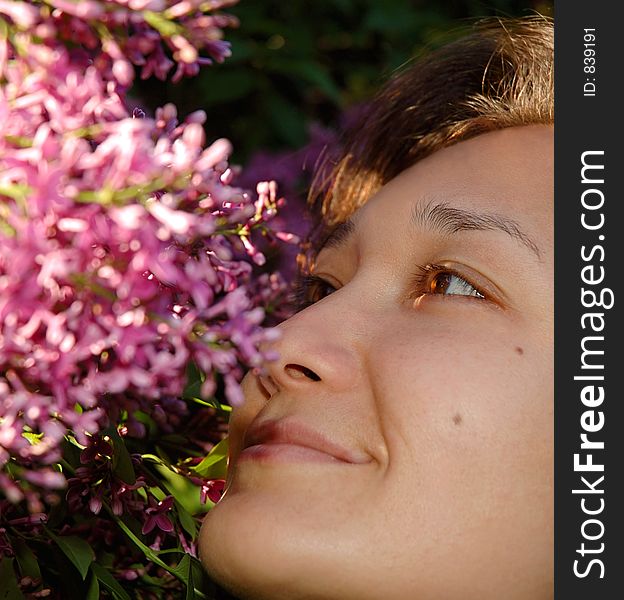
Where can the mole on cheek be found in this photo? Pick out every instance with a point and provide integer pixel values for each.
(457, 419)
(519, 350)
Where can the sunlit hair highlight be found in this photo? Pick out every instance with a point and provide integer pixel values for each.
(499, 75)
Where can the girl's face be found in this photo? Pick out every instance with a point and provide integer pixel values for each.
(402, 445)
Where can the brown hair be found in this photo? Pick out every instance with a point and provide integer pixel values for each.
(499, 75)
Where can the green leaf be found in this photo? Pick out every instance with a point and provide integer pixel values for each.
(190, 585)
(155, 459)
(178, 486)
(26, 560)
(122, 463)
(193, 374)
(192, 390)
(199, 580)
(164, 457)
(77, 550)
(186, 520)
(9, 590)
(93, 593)
(147, 551)
(183, 570)
(174, 439)
(190, 571)
(109, 582)
(214, 466)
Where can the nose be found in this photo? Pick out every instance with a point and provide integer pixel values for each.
(318, 357)
(269, 385)
(314, 351)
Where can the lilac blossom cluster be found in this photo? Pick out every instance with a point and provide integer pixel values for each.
(114, 35)
(125, 250)
(295, 173)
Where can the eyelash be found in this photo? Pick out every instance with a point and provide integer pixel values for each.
(426, 276)
(303, 290)
(306, 288)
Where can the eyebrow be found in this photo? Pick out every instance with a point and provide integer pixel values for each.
(446, 219)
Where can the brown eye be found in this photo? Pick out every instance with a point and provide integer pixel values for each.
(450, 284)
(309, 289)
(440, 280)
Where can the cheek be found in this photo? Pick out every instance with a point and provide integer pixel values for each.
(468, 422)
(464, 404)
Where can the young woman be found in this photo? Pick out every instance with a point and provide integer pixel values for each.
(402, 445)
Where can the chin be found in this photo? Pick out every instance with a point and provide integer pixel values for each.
(240, 555)
(258, 550)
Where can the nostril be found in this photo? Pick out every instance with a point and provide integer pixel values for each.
(299, 371)
(267, 386)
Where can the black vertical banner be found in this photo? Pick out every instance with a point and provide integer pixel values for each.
(589, 346)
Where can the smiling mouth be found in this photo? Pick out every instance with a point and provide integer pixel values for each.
(287, 441)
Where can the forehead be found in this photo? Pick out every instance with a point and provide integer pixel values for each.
(507, 172)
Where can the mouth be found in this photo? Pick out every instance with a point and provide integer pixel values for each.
(289, 441)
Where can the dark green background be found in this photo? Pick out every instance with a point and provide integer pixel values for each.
(300, 61)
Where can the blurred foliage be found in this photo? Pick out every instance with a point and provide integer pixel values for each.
(299, 61)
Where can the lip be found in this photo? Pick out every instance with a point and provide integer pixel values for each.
(286, 440)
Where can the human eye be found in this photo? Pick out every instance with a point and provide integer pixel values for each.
(441, 280)
(309, 289)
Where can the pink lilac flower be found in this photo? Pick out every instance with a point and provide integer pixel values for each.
(117, 35)
(126, 254)
(120, 236)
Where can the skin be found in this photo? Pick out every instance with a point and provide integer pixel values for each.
(448, 396)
